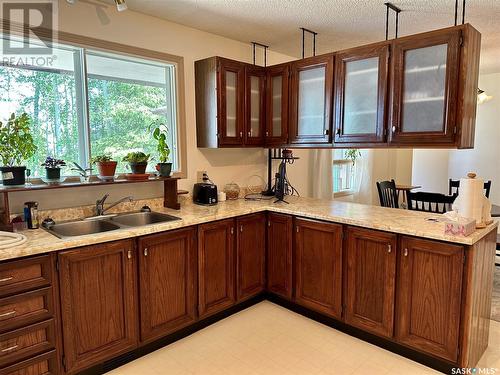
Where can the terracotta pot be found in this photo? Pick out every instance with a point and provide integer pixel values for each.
(107, 168)
(138, 168)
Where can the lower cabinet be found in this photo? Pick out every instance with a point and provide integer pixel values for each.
(167, 282)
(98, 303)
(370, 280)
(429, 296)
(318, 266)
(279, 254)
(250, 255)
(216, 245)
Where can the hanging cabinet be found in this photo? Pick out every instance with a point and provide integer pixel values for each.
(311, 101)
(361, 94)
(415, 91)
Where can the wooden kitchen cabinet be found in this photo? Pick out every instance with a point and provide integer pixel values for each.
(370, 280)
(429, 290)
(250, 255)
(277, 78)
(255, 109)
(279, 254)
(167, 282)
(318, 266)
(98, 303)
(361, 94)
(216, 247)
(310, 120)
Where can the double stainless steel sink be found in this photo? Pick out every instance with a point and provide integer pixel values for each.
(101, 224)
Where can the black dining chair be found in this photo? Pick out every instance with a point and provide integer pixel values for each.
(430, 202)
(454, 185)
(388, 194)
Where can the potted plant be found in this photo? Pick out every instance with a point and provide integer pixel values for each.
(53, 168)
(138, 161)
(16, 145)
(160, 134)
(106, 166)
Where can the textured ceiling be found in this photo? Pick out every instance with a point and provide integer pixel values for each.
(340, 23)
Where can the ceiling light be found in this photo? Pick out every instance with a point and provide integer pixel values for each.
(120, 5)
(70, 1)
(482, 97)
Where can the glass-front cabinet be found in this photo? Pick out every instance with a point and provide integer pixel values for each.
(311, 100)
(231, 104)
(425, 87)
(255, 106)
(361, 94)
(277, 105)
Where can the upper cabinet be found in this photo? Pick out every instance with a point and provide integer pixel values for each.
(361, 94)
(311, 101)
(415, 91)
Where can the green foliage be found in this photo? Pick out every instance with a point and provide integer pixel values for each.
(136, 157)
(16, 141)
(352, 154)
(160, 134)
(101, 158)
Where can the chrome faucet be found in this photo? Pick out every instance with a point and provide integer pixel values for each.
(99, 205)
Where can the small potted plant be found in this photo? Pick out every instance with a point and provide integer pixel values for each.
(106, 166)
(16, 145)
(138, 161)
(160, 134)
(53, 168)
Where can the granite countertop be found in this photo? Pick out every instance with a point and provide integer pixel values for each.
(374, 217)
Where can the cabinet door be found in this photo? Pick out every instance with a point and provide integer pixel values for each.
(250, 255)
(167, 282)
(318, 266)
(371, 279)
(277, 105)
(98, 303)
(231, 90)
(361, 94)
(424, 91)
(215, 267)
(279, 254)
(311, 100)
(429, 295)
(255, 106)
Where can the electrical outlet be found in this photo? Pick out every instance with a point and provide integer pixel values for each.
(199, 176)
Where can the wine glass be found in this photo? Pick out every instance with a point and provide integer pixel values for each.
(28, 179)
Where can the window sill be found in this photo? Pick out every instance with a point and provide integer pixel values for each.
(344, 193)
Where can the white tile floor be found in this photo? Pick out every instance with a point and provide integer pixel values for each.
(267, 339)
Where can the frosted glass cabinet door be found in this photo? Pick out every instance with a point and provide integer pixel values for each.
(311, 100)
(425, 90)
(277, 105)
(360, 94)
(231, 90)
(255, 102)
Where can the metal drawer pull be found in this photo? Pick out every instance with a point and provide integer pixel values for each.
(241, 134)
(6, 279)
(232, 230)
(8, 314)
(145, 251)
(389, 248)
(9, 349)
(406, 252)
(394, 129)
(269, 223)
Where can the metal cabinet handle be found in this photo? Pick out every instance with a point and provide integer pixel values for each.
(269, 223)
(394, 128)
(241, 134)
(249, 134)
(241, 228)
(267, 134)
(9, 349)
(406, 252)
(389, 248)
(8, 278)
(232, 230)
(297, 229)
(129, 254)
(8, 314)
(145, 252)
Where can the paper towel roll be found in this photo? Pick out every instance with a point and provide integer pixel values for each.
(471, 198)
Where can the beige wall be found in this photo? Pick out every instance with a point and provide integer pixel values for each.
(132, 28)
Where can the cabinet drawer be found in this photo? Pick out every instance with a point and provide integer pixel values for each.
(26, 308)
(22, 275)
(44, 364)
(26, 342)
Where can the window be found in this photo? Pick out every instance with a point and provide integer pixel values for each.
(85, 102)
(344, 171)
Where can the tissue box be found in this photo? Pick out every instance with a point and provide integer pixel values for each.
(462, 227)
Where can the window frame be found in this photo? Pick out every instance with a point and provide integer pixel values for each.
(100, 45)
(347, 192)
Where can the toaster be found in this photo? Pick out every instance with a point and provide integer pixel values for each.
(205, 194)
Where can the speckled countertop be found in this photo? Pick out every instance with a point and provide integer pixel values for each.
(374, 217)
